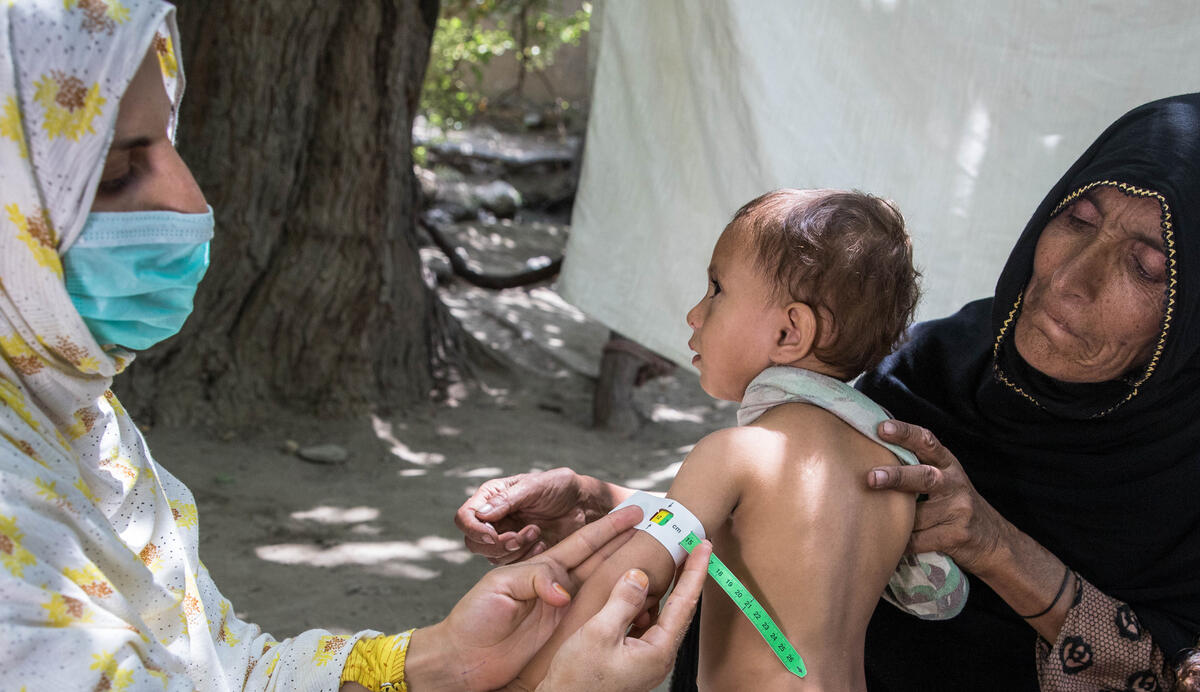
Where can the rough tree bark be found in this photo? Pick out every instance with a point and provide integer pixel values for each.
(297, 124)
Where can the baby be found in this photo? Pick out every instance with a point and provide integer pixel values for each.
(806, 289)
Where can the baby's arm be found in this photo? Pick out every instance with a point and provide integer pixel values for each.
(708, 484)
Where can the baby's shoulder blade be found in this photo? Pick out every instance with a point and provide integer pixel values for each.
(815, 434)
(732, 448)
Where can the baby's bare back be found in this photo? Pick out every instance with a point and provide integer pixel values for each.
(816, 548)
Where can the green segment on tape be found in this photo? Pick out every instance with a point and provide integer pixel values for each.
(752, 609)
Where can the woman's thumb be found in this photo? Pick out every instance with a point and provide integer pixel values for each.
(627, 600)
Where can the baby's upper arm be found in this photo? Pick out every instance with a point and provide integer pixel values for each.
(712, 477)
(708, 485)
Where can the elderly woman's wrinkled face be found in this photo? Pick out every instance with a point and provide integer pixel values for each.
(1093, 309)
(143, 172)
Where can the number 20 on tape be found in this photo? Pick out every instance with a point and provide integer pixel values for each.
(752, 609)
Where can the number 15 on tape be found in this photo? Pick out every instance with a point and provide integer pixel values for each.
(752, 609)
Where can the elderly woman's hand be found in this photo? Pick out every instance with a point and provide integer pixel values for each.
(954, 519)
(514, 518)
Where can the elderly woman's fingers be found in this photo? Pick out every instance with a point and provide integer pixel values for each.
(507, 495)
(917, 440)
(946, 537)
(912, 479)
(467, 519)
(509, 547)
(926, 477)
(488, 550)
(525, 551)
(491, 505)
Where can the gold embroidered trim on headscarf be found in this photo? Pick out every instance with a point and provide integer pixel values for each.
(1168, 230)
(996, 349)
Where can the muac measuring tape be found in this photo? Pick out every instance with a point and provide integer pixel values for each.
(672, 525)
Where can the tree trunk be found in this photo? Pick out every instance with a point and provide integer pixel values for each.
(297, 124)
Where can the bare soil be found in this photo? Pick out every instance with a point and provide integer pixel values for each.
(370, 543)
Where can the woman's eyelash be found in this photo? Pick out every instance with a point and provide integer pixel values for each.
(114, 185)
(1141, 272)
(716, 286)
(1075, 220)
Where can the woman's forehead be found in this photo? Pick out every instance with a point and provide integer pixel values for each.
(1110, 199)
(1136, 214)
(145, 106)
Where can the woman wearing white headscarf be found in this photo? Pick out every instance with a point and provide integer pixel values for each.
(103, 239)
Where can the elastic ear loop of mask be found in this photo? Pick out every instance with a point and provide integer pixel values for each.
(678, 530)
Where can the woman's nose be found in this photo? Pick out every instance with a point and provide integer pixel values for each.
(1081, 272)
(181, 186)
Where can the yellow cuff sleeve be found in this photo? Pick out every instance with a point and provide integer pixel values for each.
(378, 663)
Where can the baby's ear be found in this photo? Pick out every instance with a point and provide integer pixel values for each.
(799, 330)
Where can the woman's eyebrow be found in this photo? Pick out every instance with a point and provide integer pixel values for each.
(1152, 238)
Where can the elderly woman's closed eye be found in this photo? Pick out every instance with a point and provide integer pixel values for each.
(1093, 309)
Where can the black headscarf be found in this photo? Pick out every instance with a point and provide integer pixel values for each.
(1106, 476)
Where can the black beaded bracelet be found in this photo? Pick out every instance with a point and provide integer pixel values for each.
(1061, 588)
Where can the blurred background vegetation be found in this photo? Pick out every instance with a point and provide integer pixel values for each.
(495, 60)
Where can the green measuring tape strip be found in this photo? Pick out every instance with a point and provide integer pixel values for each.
(752, 609)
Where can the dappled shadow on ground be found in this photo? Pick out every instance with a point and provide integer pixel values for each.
(370, 543)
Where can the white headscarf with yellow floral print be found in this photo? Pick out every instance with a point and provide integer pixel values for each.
(100, 580)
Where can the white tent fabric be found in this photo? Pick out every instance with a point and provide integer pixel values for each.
(963, 113)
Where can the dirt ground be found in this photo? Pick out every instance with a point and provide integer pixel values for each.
(370, 543)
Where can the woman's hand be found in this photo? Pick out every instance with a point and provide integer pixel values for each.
(954, 519)
(957, 521)
(505, 619)
(514, 518)
(600, 656)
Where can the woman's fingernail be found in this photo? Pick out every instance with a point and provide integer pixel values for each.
(484, 509)
(561, 589)
(487, 539)
(512, 545)
(878, 478)
(638, 578)
(889, 428)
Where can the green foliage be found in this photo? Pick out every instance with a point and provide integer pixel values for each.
(472, 32)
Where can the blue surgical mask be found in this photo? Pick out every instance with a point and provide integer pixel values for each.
(133, 275)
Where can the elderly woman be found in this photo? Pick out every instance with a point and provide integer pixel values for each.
(1072, 399)
(103, 240)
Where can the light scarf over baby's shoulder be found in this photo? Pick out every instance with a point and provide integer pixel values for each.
(928, 585)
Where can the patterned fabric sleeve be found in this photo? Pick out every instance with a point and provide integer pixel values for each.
(101, 585)
(81, 608)
(1101, 646)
